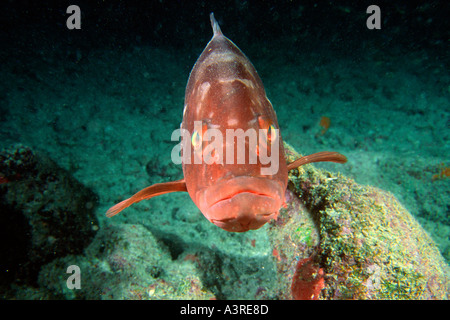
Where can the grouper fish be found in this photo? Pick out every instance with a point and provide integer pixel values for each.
(231, 149)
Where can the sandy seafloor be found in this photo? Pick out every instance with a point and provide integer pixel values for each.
(107, 116)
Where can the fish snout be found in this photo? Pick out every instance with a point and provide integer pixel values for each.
(236, 218)
(244, 204)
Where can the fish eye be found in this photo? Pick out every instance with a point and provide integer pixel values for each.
(196, 140)
(271, 134)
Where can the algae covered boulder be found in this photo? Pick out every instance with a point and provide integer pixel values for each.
(125, 262)
(343, 240)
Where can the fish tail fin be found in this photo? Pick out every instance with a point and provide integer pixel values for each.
(215, 25)
(147, 193)
(318, 157)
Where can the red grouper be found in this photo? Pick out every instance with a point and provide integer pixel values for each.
(232, 154)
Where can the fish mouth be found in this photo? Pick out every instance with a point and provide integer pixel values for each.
(231, 196)
(241, 203)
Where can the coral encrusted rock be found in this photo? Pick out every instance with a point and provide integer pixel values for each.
(125, 262)
(367, 246)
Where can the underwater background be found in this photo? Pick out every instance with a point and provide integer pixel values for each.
(86, 118)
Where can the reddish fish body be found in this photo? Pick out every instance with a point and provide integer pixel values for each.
(224, 92)
(233, 159)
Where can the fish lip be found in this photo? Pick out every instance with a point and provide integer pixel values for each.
(233, 215)
(228, 189)
(227, 198)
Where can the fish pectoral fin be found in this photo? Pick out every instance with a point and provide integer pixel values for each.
(147, 193)
(318, 157)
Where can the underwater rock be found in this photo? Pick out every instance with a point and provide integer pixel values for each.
(294, 236)
(45, 213)
(125, 262)
(370, 246)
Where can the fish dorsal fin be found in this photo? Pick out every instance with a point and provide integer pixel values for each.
(318, 157)
(147, 193)
(215, 25)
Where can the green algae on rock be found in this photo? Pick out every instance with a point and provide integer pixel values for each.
(125, 262)
(370, 246)
(294, 236)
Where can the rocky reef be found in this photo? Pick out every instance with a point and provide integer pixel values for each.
(126, 262)
(343, 240)
(44, 214)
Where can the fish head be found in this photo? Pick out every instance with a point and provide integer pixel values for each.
(237, 175)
